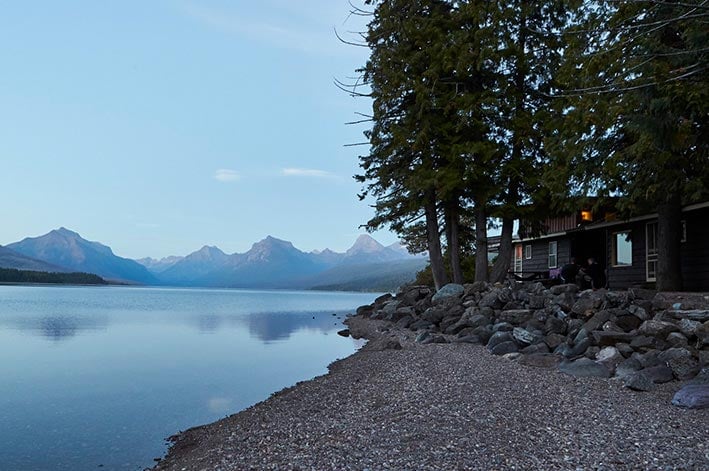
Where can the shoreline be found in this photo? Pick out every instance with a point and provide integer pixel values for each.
(401, 404)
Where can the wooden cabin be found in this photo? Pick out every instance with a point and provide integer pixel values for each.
(625, 249)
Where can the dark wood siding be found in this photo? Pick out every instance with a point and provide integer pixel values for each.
(540, 254)
(695, 251)
(635, 274)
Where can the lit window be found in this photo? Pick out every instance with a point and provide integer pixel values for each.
(622, 249)
(586, 216)
(552, 254)
(527, 252)
(518, 258)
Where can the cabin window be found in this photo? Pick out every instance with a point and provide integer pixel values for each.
(518, 258)
(552, 254)
(651, 251)
(622, 249)
(528, 252)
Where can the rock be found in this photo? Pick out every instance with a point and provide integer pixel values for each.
(504, 348)
(701, 378)
(659, 374)
(580, 336)
(405, 322)
(539, 360)
(381, 300)
(627, 322)
(591, 352)
(611, 326)
(648, 358)
(400, 313)
(516, 316)
(502, 327)
(390, 308)
(638, 381)
(554, 340)
(567, 288)
(677, 340)
(473, 339)
(512, 356)
(365, 311)
(420, 324)
(536, 348)
(484, 332)
(563, 350)
(554, 325)
(422, 336)
(681, 362)
(606, 338)
(627, 367)
(580, 348)
(391, 344)
(597, 320)
(638, 312)
(610, 357)
(584, 368)
(702, 333)
(498, 338)
(537, 302)
(344, 332)
(692, 396)
(414, 294)
(584, 305)
(434, 314)
(655, 328)
(478, 320)
(491, 300)
(703, 357)
(625, 349)
(524, 337)
(642, 342)
(447, 294)
(701, 315)
(688, 328)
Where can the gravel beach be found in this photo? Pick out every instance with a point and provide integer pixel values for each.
(448, 406)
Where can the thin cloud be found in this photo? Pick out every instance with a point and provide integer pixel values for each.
(226, 175)
(306, 172)
(316, 40)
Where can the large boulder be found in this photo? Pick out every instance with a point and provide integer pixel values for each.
(498, 338)
(448, 294)
(660, 329)
(504, 348)
(701, 315)
(610, 357)
(681, 362)
(692, 396)
(524, 337)
(638, 381)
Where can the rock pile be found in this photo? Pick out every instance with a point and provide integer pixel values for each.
(641, 337)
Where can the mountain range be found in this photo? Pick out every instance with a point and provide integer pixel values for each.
(270, 263)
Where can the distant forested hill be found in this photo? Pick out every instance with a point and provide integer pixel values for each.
(11, 275)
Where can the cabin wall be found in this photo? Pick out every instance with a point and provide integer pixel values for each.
(695, 251)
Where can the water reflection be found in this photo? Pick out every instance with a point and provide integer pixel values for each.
(57, 328)
(271, 327)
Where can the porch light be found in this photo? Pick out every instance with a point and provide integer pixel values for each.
(586, 216)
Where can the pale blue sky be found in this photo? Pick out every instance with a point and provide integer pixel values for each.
(157, 126)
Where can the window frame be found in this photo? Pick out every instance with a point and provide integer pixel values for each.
(528, 251)
(629, 239)
(555, 254)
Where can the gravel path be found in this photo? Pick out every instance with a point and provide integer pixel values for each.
(445, 407)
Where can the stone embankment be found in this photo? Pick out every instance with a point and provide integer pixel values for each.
(641, 337)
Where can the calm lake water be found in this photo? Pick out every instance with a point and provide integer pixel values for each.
(97, 377)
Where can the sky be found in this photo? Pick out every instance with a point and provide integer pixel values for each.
(159, 126)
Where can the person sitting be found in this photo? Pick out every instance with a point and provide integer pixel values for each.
(570, 271)
(595, 273)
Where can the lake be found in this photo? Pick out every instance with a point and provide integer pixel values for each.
(97, 377)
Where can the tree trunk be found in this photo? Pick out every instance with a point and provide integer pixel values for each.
(480, 242)
(434, 241)
(669, 234)
(504, 256)
(453, 237)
